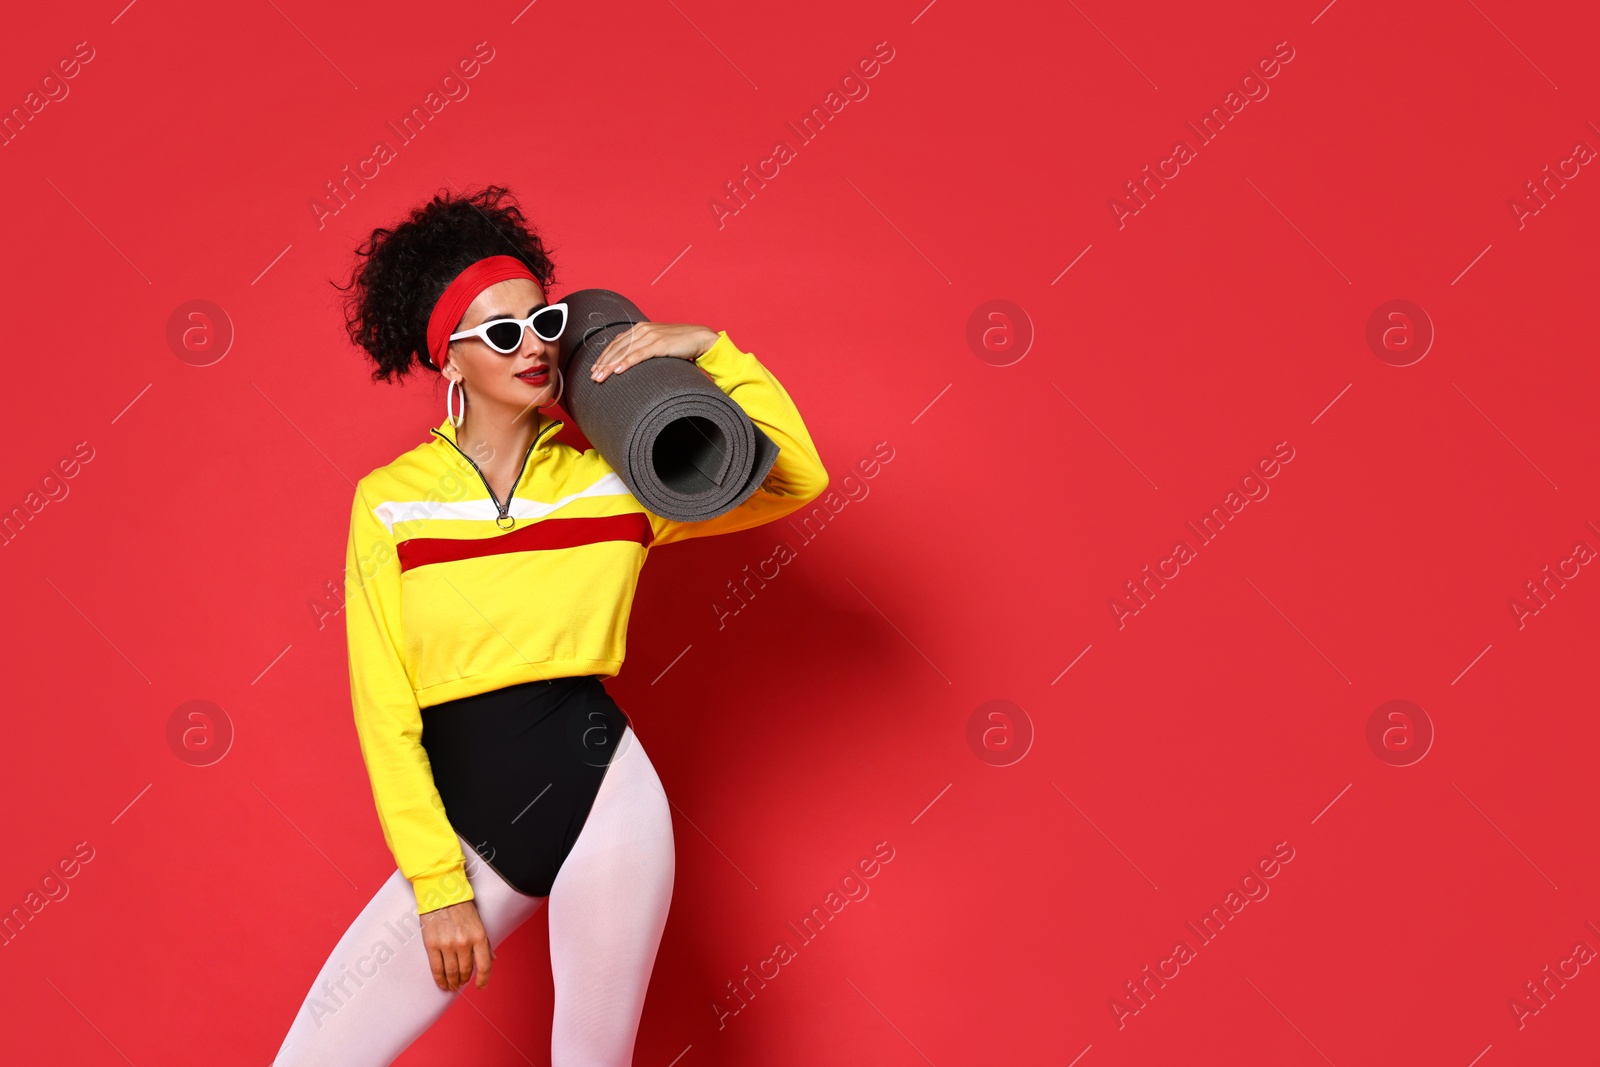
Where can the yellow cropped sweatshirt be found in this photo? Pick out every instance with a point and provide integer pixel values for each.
(450, 592)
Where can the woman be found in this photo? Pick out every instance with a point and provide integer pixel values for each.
(489, 576)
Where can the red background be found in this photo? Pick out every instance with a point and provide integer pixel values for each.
(1228, 715)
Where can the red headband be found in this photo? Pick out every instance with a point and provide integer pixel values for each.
(460, 294)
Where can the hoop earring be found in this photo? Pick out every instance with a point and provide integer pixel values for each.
(561, 385)
(449, 410)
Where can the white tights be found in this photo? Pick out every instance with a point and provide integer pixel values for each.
(608, 907)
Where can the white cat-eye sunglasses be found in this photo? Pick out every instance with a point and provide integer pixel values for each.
(505, 335)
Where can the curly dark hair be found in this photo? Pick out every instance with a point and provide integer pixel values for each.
(402, 272)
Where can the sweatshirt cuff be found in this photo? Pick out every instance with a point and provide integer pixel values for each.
(722, 356)
(441, 890)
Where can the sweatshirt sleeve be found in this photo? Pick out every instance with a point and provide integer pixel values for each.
(797, 476)
(389, 721)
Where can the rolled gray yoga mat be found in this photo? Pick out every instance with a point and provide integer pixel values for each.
(683, 447)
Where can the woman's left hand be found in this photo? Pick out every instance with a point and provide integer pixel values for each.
(643, 340)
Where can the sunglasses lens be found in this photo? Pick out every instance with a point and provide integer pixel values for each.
(504, 336)
(549, 322)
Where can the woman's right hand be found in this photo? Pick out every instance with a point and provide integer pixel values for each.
(455, 939)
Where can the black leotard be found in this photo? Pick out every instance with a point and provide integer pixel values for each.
(518, 769)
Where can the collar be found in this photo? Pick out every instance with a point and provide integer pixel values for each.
(541, 437)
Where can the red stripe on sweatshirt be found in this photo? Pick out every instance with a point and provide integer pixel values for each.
(545, 534)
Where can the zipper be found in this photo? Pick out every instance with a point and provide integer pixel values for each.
(502, 509)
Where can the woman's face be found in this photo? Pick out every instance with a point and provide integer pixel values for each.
(491, 378)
